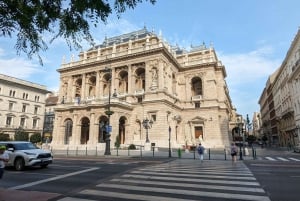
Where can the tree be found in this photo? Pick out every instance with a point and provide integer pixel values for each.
(117, 142)
(35, 138)
(70, 19)
(4, 137)
(21, 135)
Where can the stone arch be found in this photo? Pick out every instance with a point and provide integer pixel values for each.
(85, 130)
(68, 124)
(140, 82)
(92, 86)
(106, 82)
(123, 82)
(196, 86)
(122, 129)
(102, 133)
(78, 85)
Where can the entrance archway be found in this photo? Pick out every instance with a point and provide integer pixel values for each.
(122, 122)
(85, 130)
(68, 131)
(103, 121)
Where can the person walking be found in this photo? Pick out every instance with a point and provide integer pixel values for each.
(233, 152)
(201, 152)
(3, 159)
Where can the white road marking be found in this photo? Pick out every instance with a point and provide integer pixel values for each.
(294, 159)
(271, 159)
(52, 179)
(129, 196)
(188, 192)
(214, 181)
(206, 186)
(282, 159)
(199, 175)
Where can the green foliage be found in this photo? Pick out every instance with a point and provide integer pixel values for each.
(4, 137)
(21, 135)
(35, 138)
(117, 142)
(31, 20)
(132, 146)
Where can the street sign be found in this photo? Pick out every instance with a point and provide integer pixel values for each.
(108, 129)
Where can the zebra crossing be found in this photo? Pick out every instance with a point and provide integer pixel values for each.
(279, 158)
(179, 180)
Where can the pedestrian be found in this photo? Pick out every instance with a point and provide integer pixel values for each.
(3, 159)
(201, 152)
(233, 152)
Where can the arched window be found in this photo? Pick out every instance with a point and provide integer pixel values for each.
(196, 86)
(68, 130)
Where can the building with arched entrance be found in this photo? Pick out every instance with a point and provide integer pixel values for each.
(140, 77)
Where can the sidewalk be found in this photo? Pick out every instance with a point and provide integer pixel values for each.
(19, 195)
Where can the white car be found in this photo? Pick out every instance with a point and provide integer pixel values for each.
(25, 154)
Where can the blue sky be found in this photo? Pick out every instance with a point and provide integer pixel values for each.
(251, 38)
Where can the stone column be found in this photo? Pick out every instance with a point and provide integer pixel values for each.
(160, 75)
(93, 131)
(97, 93)
(113, 75)
(70, 93)
(83, 86)
(130, 90)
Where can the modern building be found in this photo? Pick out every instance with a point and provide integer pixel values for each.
(140, 89)
(22, 106)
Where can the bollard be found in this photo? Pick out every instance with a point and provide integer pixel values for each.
(67, 151)
(117, 151)
(225, 154)
(86, 150)
(96, 151)
(76, 151)
(179, 153)
(128, 151)
(141, 152)
(194, 153)
(209, 154)
(153, 151)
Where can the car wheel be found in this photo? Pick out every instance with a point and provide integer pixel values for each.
(19, 164)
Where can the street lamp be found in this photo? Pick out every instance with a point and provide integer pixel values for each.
(240, 124)
(108, 112)
(170, 155)
(147, 125)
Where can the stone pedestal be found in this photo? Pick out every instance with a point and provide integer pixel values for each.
(147, 146)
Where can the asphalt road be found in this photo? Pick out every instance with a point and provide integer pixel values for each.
(275, 173)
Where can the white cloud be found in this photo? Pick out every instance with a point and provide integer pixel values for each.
(18, 67)
(249, 67)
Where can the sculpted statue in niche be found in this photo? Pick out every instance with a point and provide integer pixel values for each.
(154, 84)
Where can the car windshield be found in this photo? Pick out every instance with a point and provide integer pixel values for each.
(25, 146)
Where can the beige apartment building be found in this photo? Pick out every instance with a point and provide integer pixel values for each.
(284, 104)
(136, 77)
(22, 106)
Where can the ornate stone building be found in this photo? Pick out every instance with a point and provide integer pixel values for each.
(138, 76)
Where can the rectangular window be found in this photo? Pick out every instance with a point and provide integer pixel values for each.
(140, 99)
(34, 123)
(24, 108)
(35, 110)
(197, 104)
(10, 106)
(8, 121)
(153, 117)
(22, 122)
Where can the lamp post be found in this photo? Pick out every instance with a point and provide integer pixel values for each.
(170, 154)
(108, 112)
(147, 125)
(240, 124)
